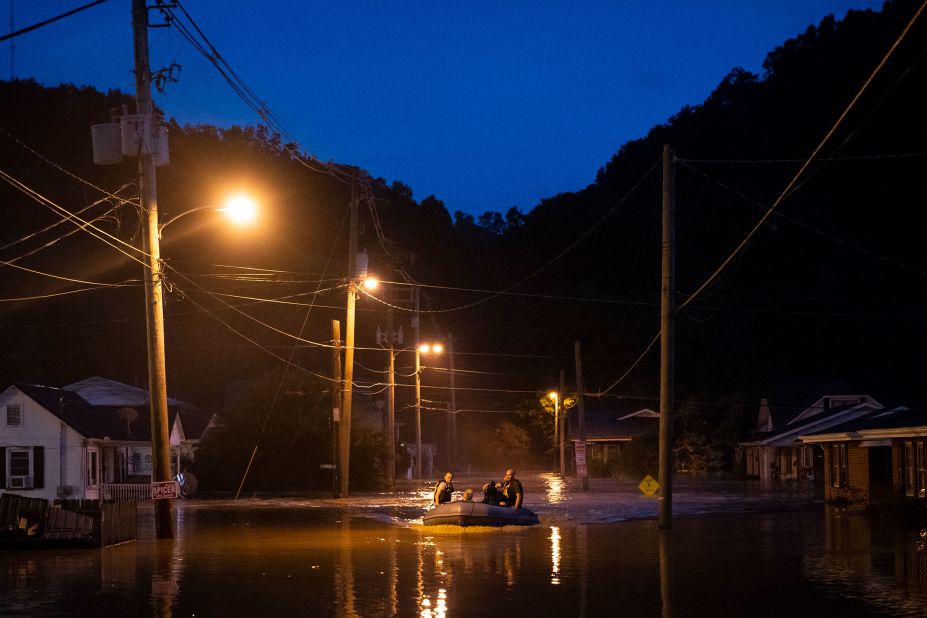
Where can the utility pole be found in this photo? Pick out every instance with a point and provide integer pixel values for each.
(391, 404)
(452, 416)
(667, 343)
(336, 404)
(580, 453)
(416, 323)
(418, 414)
(344, 458)
(154, 307)
(562, 410)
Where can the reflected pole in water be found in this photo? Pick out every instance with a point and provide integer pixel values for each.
(165, 580)
(344, 572)
(666, 573)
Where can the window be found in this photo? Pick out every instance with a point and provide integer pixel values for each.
(914, 468)
(93, 468)
(14, 415)
(908, 465)
(20, 462)
(22, 467)
(839, 473)
(807, 457)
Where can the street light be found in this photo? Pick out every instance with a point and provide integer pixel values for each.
(240, 209)
(160, 441)
(423, 348)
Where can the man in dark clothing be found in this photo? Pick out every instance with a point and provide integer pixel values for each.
(513, 494)
(444, 489)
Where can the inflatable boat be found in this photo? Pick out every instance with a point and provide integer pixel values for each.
(468, 513)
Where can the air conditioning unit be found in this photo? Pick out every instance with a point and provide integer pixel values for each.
(20, 482)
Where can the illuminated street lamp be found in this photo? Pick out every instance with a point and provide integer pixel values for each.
(423, 348)
(160, 444)
(240, 209)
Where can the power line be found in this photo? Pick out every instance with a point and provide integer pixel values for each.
(49, 21)
(711, 278)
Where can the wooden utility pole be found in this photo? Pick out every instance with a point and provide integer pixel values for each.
(344, 458)
(580, 453)
(416, 325)
(562, 402)
(667, 336)
(154, 288)
(418, 414)
(336, 404)
(452, 409)
(391, 404)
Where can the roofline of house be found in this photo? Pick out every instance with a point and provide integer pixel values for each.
(868, 434)
(790, 437)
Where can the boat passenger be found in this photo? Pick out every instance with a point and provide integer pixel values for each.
(444, 489)
(491, 493)
(467, 495)
(513, 494)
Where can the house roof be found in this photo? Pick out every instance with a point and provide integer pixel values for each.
(114, 421)
(821, 421)
(896, 422)
(791, 399)
(105, 392)
(613, 424)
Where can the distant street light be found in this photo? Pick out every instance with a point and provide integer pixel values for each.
(424, 348)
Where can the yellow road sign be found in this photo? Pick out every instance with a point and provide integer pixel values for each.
(649, 485)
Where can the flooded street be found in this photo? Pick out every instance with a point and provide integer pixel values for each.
(734, 551)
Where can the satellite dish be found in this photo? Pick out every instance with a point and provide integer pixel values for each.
(129, 415)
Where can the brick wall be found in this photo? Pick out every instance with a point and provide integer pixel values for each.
(857, 488)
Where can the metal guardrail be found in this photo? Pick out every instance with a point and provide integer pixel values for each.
(125, 492)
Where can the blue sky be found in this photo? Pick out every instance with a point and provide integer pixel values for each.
(486, 105)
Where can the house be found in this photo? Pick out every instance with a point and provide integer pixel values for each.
(879, 455)
(88, 440)
(775, 451)
(608, 431)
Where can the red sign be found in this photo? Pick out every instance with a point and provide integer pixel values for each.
(165, 490)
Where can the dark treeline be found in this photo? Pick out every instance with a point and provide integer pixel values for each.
(831, 287)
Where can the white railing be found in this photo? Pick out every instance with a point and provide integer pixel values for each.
(124, 492)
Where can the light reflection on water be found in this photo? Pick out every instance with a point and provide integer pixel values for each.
(246, 559)
(554, 555)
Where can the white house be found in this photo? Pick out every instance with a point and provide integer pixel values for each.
(88, 440)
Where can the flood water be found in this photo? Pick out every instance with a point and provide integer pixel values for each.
(734, 550)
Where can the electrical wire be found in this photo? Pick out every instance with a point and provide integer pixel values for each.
(804, 225)
(788, 188)
(540, 269)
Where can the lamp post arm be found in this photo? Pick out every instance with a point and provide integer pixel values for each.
(183, 214)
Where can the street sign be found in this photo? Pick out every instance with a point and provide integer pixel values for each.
(649, 485)
(165, 490)
(327, 466)
(581, 459)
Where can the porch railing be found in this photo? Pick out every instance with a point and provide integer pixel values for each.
(124, 492)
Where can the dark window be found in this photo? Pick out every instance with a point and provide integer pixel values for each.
(839, 470)
(921, 471)
(20, 462)
(14, 415)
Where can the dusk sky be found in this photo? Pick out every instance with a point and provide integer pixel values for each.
(486, 105)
